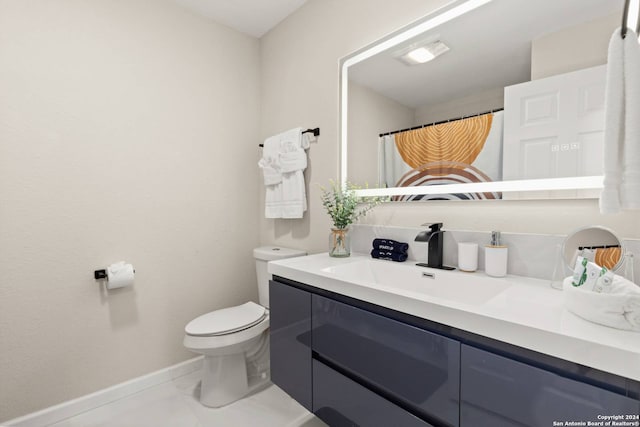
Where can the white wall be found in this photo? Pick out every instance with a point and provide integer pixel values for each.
(128, 131)
(490, 99)
(300, 70)
(580, 46)
(371, 114)
(300, 60)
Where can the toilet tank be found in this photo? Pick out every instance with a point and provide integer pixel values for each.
(262, 256)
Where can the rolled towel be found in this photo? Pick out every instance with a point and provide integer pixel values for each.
(389, 255)
(389, 245)
(618, 309)
(632, 304)
(632, 311)
(622, 286)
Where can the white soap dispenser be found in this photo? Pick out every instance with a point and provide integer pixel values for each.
(495, 257)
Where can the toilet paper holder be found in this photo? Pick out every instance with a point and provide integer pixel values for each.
(100, 274)
(115, 276)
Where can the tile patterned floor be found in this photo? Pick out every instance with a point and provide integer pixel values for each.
(175, 404)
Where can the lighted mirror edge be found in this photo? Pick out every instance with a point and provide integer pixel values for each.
(569, 183)
(444, 14)
(438, 17)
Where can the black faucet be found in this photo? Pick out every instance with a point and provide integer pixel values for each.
(435, 237)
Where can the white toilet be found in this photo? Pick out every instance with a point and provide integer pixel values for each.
(235, 340)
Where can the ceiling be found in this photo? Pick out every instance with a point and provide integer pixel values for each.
(490, 48)
(253, 17)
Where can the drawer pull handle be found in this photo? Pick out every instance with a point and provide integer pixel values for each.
(429, 275)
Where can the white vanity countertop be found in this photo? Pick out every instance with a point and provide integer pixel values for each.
(529, 314)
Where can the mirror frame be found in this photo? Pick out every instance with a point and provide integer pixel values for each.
(432, 20)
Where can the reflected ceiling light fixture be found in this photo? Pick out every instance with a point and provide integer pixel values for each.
(422, 54)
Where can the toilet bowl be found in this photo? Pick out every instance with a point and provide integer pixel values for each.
(235, 340)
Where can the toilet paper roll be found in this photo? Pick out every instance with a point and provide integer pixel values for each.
(119, 275)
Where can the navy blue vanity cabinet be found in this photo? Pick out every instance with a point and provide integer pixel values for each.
(414, 369)
(340, 402)
(497, 391)
(290, 341)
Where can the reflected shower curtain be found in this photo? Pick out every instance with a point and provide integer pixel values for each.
(460, 151)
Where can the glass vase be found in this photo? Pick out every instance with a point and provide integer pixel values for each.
(339, 243)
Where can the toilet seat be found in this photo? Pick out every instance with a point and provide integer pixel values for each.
(226, 343)
(226, 321)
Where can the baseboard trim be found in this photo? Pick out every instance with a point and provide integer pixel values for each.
(70, 408)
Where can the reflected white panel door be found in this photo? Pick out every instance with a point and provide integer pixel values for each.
(554, 127)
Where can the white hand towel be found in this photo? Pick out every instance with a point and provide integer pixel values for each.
(614, 126)
(622, 128)
(293, 160)
(630, 189)
(284, 161)
(270, 172)
(272, 177)
(270, 161)
(307, 139)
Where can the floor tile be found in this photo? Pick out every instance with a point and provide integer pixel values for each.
(176, 404)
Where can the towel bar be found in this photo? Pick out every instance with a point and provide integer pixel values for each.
(625, 16)
(440, 122)
(315, 131)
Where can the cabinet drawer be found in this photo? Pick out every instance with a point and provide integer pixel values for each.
(339, 401)
(419, 369)
(290, 336)
(500, 392)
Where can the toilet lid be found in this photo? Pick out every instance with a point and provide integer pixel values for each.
(226, 320)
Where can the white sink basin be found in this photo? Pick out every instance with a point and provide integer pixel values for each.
(468, 288)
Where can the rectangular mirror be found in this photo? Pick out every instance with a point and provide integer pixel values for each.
(509, 103)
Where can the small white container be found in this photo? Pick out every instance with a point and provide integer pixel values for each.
(467, 256)
(495, 260)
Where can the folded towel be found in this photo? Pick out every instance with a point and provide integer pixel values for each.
(622, 129)
(389, 255)
(390, 245)
(283, 162)
(293, 161)
(619, 309)
(307, 139)
(272, 177)
(270, 171)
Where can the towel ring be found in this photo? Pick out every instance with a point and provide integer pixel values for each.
(625, 16)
